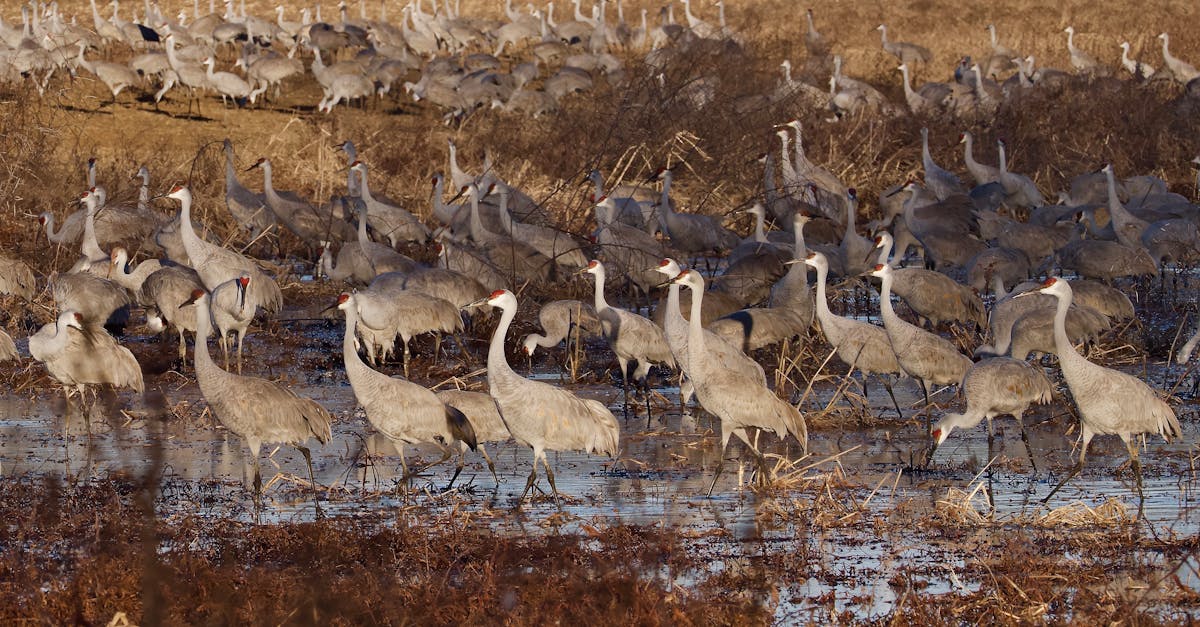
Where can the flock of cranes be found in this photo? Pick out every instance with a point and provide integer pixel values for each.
(459, 61)
(492, 238)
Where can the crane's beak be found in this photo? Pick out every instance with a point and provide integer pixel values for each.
(457, 196)
(241, 296)
(189, 301)
(476, 303)
(1028, 293)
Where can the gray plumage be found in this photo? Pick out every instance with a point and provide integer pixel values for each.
(1036, 332)
(858, 344)
(216, 264)
(539, 415)
(923, 355)
(77, 354)
(720, 348)
(300, 216)
(353, 266)
(631, 337)
(385, 312)
(691, 232)
(404, 412)
(995, 387)
(16, 277)
(631, 251)
(257, 410)
(739, 401)
(908, 53)
(8, 348)
(554, 244)
(484, 415)
(942, 183)
(132, 280)
(933, 296)
(248, 208)
(557, 317)
(1109, 402)
(100, 301)
(383, 259)
(981, 172)
(1105, 260)
(163, 293)
(388, 219)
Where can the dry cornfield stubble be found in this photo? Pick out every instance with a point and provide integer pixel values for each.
(93, 552)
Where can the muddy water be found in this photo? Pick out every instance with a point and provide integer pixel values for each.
(661, 476)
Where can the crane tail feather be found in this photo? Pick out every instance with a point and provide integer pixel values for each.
(460, 427)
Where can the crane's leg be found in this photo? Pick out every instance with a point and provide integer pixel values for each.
(1025, 439)
(624, 363)
(182, 347)
(241, 335)
(491, 466)
(403, 464)
(223, 340)
(725, 433)
(462, 460)
(765, 473)
(550, 478)
(405, 359)
(529, 482)
(1135, 461)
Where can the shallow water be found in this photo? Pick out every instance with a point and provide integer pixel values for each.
(660, 478)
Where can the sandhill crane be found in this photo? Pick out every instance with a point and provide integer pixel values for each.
(193, 76)
(557, 317)
(926, 100)
(942, 183)
(228, 84)
(1082, 62)
(908, 53)
(933, 296)
(634, 204)
(555, 244)
(248, 208)
(100, 301)
(131, 280)
(1173, 238)
(538, 414)
(382, 258)
(514, 257)
(216, 264)
(112, 226)
(994, 387)
(631, 337)
(854, 249)
(8, 348)
(353, 266)
(257, 410)
(385, 311)
(78, 354)
(813, 40)
(1020, 189)
(1139, 70)
(1183, 71)
(452, 286)
(1105, 260)
(631, 251)
(16, 277)
(163, 292)
(924, 356)
(348, 87)
(300, 217)
(387, 218)
(675, 328)
(115, 76)
(404, 412)
(982, 173)
(740, 402)
(858, 344)
(483, 413)
(1109, 402)
(999, 48)
(690, 232)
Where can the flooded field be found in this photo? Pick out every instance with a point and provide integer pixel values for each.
(853, 529)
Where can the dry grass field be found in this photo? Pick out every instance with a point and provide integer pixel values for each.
(96, 552)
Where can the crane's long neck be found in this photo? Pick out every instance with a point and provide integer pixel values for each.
(600, 303)
(230, 172)
(885, 251)
(327, 262)
(185, 220)
(851, 210)
(770, 189)
(363, 189)
(885, 301)
(969, 151)
(823, 312)
(497, 361)
(455, 171)
(1115, 208)
(268, 185)
(363, 238)
(759, 234)
(666, 193)
(674, 312)
(506, 218)
(478, 233)
(1003, 155)
(925, 156)
(597, 184)
(1062, 344)
(908, 90)
(696, 346)
(354, 363)
(91, 246)
(204, 362)
(58, 237)
(992, 34)
(144, 195)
